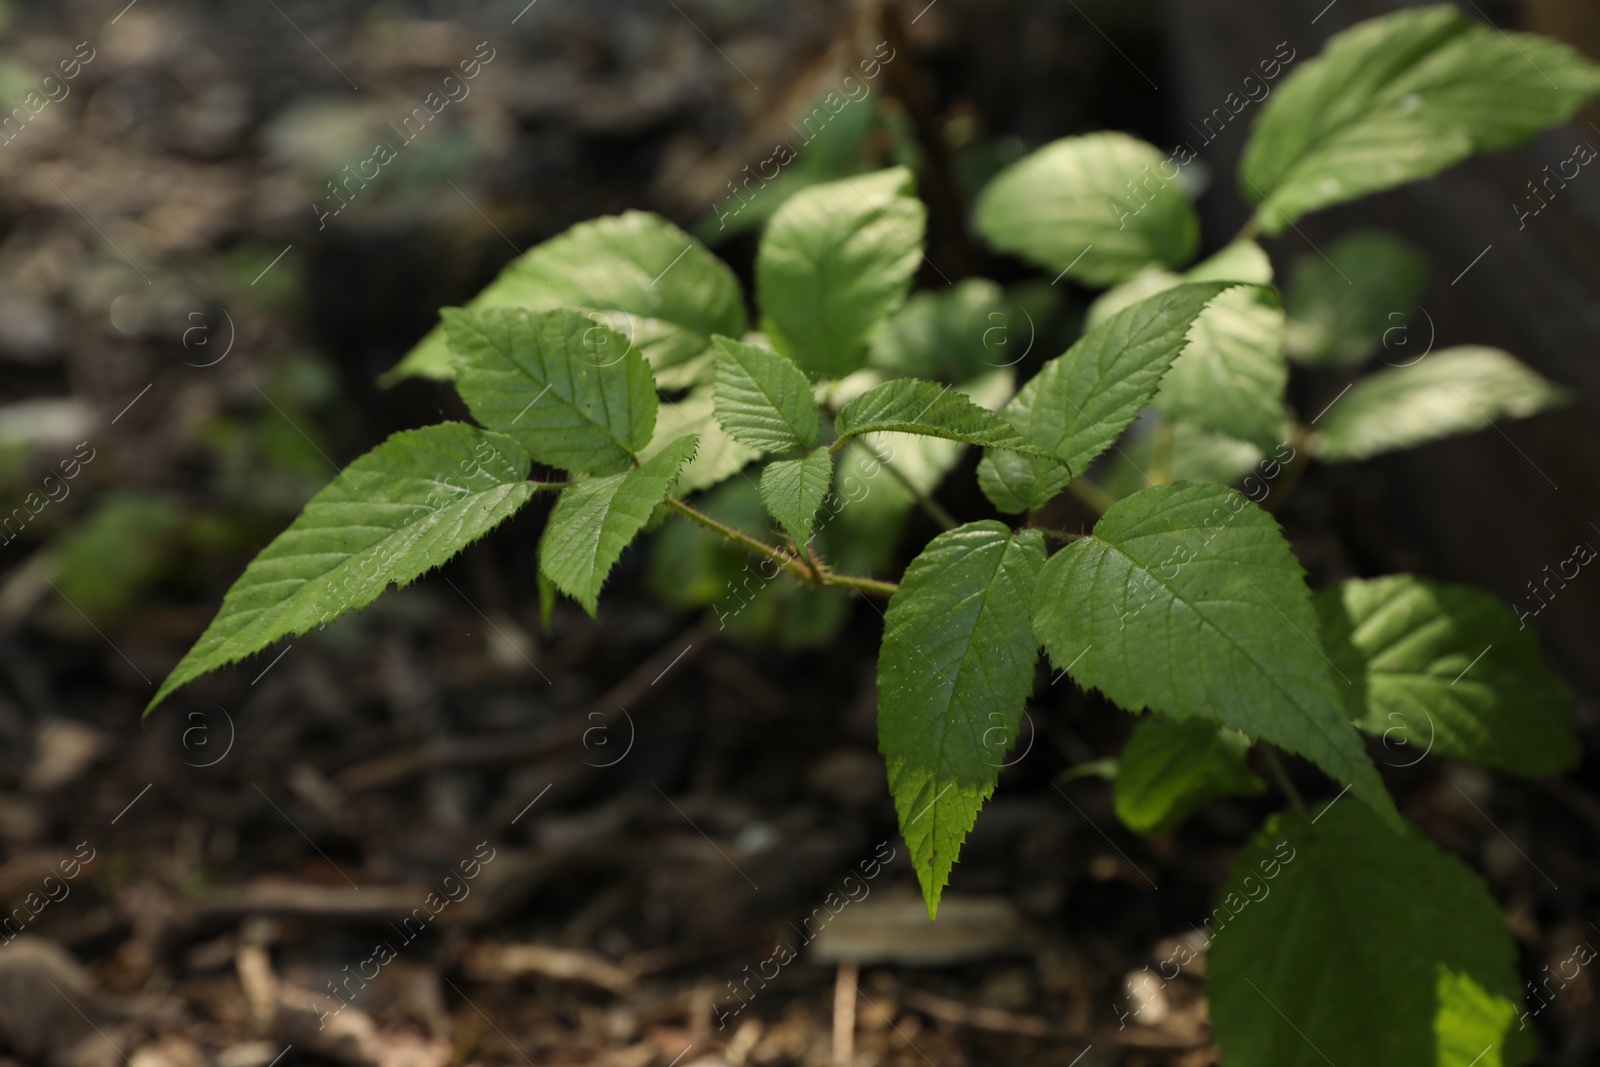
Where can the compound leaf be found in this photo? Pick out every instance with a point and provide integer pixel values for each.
(554, 380)
(1080, 402)
(1400, 98)
(1453, 391)
(1169, 769)
(1353, 941)
(907, 405)
(1179, 603)
(835, 261)
(762, 399)
(395, 513)
(1343, 307)
(792, 490)
(956, 665)
(596, 519)
(1094, 208)
(1447, 669)
(659, 288)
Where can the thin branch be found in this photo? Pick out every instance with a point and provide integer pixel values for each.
(1281, 776)
(750, 544)
(804, 572)
(935, 510)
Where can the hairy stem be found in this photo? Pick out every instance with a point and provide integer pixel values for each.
(802, 571)
(792, 564)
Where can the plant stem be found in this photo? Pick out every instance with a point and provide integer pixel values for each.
(1250, 229)
(750, 544)
(802, 571)
(1161, 466)
(1091, 494)
(1281, 776)
(935, 511)
(1296, 467)
(859, 585)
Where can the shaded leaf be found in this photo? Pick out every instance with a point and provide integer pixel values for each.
(1188, 601)
(1353, 941)
(1169, 769)
(1447, 669)
(1343, 307)
(907, 405)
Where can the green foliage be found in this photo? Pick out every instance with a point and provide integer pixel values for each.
(660, 288)
(392, 515)
(596, 519)
(792, 490)
(762, 399)
(617, 352)
(1184, 575)
(1341, 308)
(573, 393)
(1399, 98)
(1169, 769)
(836, 260)
(1231, 377)
(911, 406)
(956, 665)
(1447, 669)
(1080, 402)
(1453, 391)
(1096, 208)
(1353, 919)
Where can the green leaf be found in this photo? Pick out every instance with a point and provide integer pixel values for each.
(552, 380)
(1232, 375)
(395, 513)
(596, 519)
(1452, 391)
(837, 259)
(1343, 307)
(762, 399)
(956, 665)
(953, 334)
(907, 405)
(1188, 600)
(1354, 942)
(1169, 769)
(662, 291)
(792, 490)
(1096, 208)
(1080, 402)
(1447, 669)
(719, 456)
(1400, 98)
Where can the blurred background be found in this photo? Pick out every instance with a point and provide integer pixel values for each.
(614, 825)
